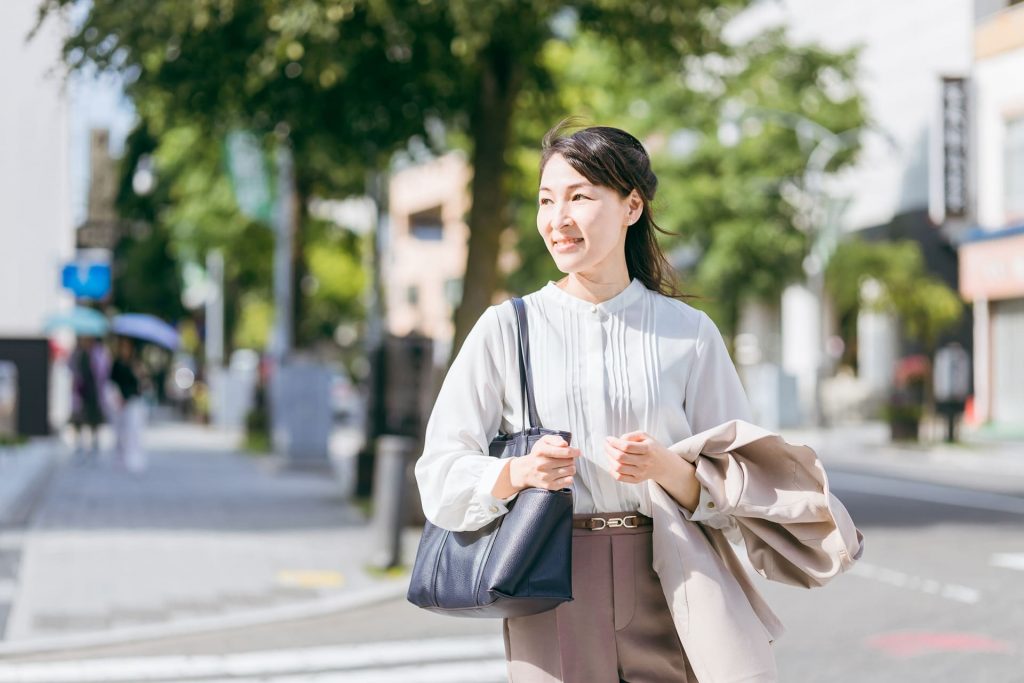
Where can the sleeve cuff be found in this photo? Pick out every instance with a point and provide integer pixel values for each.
(707, 512)
(483, 496)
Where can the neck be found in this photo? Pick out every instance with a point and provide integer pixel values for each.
(595, 289)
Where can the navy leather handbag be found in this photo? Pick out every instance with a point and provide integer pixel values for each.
(519, 564)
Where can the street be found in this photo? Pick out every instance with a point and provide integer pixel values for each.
(938, 596)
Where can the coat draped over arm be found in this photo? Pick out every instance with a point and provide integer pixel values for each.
(776, 496)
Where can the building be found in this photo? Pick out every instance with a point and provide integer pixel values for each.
(992, 254)
(911, 57)
(425, 257)
(36, 230)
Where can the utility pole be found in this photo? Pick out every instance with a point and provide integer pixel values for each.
(284, 236)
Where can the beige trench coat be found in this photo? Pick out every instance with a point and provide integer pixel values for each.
(775, 496)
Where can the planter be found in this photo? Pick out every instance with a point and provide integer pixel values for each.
(904, 429)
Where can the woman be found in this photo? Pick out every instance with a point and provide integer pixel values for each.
(89, 367)
(628, 369)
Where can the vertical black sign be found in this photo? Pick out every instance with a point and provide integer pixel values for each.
(954, 146)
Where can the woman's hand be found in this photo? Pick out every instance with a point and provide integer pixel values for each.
(637, 457)
(549, 465)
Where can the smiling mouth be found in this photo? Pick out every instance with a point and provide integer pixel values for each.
(566, 241)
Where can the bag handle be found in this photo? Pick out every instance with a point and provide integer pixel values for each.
(525, 369)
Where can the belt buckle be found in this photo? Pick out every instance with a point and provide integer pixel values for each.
(616, 522)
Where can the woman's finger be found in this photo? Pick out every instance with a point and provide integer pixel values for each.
(555, 451)
(627, 446)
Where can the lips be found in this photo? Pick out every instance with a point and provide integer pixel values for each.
(566, 245)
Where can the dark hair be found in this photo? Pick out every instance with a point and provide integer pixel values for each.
(613, 158)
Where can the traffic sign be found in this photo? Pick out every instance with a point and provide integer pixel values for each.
(87, 280)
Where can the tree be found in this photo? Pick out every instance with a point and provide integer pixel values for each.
(147, 277)
(925, 306)
(349, 81)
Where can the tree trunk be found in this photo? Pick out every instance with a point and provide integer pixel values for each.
(490, 126)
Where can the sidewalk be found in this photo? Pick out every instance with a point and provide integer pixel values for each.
(206, 536)
(23, 471)
(994, 466)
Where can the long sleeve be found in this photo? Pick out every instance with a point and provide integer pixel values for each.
(714, 395)
(455, 475)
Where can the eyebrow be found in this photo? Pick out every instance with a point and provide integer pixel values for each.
(574, 186)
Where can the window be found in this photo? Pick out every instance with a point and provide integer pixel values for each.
(453, 292)
(427, 225)
(1013, 195)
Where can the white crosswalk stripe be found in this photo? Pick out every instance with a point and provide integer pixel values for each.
(1008, 561)
(442, 660)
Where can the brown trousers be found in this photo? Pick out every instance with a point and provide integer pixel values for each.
(617, 628)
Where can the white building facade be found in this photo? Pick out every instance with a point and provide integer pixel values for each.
(992, 255)
(36, 229)
(895, 191)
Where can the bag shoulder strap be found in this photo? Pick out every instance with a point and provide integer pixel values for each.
(525, 368)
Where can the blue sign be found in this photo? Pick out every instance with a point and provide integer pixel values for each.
(87, 280)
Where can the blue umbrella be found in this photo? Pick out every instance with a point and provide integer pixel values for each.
(146, 328)
(85, 322)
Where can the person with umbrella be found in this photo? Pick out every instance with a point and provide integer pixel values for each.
(90, 366)
(130, 421)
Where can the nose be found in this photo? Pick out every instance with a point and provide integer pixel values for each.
(560, 216)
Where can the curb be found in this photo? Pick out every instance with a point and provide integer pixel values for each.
(186, 627)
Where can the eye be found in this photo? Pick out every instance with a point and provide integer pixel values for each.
(544, 201)
(579, 195)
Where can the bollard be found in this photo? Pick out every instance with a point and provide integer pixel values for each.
(393, 452)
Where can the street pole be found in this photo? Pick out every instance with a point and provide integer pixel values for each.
(376, 188)
(281, 344)
(215, 309)
(281, 339)
(214, 344)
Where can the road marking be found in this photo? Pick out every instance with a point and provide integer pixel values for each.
(384, 656)
(905, 645)
(462, 672)
(1008, 560)
(310, 578)
(893, 577)
(928, 493)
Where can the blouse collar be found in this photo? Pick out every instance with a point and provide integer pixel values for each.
(629, 295)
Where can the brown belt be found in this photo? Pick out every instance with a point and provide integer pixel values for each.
(626, 521)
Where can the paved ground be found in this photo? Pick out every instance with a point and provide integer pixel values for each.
(203, 533)
(938, 596)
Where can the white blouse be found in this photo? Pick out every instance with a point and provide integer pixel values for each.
(639, 361)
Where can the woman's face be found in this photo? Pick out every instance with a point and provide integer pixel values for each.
(583, 225)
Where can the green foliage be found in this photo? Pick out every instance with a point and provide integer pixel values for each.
(147, 274)
(335, 281)
(350, 81)
(256, 316)
(926, 306)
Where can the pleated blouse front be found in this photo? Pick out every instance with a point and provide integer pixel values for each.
(639, 361)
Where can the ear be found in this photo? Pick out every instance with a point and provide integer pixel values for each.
(636, 207)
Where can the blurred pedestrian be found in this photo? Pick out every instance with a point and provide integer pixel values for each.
(127, 377)
(626, 367)
(90, 366)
